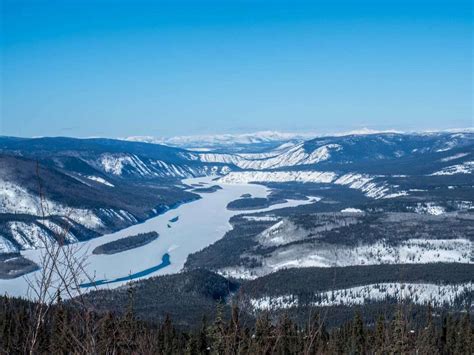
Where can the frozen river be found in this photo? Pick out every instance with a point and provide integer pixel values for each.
(200, 223)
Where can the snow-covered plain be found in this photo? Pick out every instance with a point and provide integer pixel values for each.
(411, 251)
(420, 293)
(200, 223)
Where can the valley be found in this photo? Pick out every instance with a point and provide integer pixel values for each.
(361, 205)
(200, 224)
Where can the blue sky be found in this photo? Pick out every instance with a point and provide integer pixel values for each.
(162, 68)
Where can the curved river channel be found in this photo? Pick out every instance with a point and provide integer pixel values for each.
(196, 225)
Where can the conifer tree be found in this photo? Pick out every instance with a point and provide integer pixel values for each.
(234, 337)
(464, 344)
(202, 343)
(262, 338)
(7, 326)
(218, 333)
(127, 326)
(399, 338)
(358, 335)
(107, 334)
(427, 339)
(379, 336)
(451, 328)
(168, 336)
(286, 334)
(58, 340)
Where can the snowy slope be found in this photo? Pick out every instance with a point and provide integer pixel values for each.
(411, 251)
(464, 168)
(294, 156)
(362, 182)
(419, 293)
(123, 164)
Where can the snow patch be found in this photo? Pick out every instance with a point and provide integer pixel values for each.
(245, 177)
(464, 168)
(454, 157)
(352, 210)
(6, 246)
(429, 208)
(100, 180)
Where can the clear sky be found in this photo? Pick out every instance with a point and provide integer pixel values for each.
(135, 67)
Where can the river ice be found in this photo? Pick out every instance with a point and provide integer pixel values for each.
(200, 224)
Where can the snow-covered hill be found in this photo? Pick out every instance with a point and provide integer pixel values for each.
(293, 156)
(102, 184)
(365, 183)
(419, 293)
(122, 164)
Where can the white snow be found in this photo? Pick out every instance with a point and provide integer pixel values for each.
(363, 183)
(352, 210)
(245, 177)
(113, 163)
(293, 156)
(28, 235)
(429, 208)
(15, 199)
(282, 232)
(100, 180)
(207, 141)
(60, 231)
(419, 293)
(197, 227)
(6, 246)
(454, 157)
(411, 251)
(224, 139)
(396, 194)
(356, 181)
(464, 168)
(261, 218)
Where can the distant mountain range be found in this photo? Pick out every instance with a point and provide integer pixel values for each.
(256, 140)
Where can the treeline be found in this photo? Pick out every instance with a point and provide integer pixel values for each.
(65, 329)
(309, 280)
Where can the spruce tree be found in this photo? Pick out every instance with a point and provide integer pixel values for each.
(58, 340)
(218, 333)
(107, 334)
(399, 337)
(234, 337)
(358, 335)
(427, 339)
(379, 336)
(202, 343)
(7, 328)
(262, 338)
(464, 344)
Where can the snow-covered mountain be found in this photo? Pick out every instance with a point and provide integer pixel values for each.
(350, 150)
(263, 140)
(104, 184)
